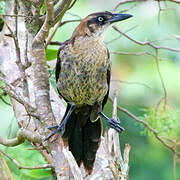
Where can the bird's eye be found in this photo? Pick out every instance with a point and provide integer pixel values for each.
(100, 19)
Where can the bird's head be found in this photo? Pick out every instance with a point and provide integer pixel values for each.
(96, 23)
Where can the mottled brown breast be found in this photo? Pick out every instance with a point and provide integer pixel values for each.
(83, 73)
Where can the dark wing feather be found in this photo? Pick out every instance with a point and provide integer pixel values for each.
(58, 69)
(58, 65)
(108, 81)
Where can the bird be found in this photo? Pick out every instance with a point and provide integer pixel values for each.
(83, 72)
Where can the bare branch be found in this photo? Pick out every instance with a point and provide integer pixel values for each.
(11, 92)
(117, 38)
(117, 163)
(161, 78)
(15, 42)
(45, 166)
(73, 165)
(57, 25)
(72, 4)
(22, 135)
(132, 83)
(155, 132)
(61, 9)
(128, 9)
(43, 32)
(133, 53)
(48, 40)
(12, 15)
(56, 43)
(146, 42)
(9, 89)
(124, 2)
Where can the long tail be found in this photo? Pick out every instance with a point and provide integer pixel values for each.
(83, 138)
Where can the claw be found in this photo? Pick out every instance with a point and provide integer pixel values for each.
(52, 127)
(59, 130)
(115, 124)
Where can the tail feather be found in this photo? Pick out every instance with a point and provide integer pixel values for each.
(76, 143)
(92, 135)
(83, 138)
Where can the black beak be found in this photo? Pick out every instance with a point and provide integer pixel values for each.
(119, 17)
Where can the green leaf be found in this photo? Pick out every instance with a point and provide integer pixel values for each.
(43, 9)
(39, 173)
(51, 54)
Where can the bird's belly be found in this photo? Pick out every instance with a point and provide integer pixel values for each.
(85, 85)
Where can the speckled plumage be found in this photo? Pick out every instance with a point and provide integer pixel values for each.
(83, 76)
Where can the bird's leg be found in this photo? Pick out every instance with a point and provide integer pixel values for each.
(112, 123)
(59, 130)
(52, 127)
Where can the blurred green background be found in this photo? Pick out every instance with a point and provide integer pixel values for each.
(149, 159)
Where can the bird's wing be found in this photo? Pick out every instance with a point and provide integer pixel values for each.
(58, 70)
(58, 65)
(108, 81)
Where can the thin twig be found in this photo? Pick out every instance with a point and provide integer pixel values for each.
(146, 42)
(57, 25)
(155, 132)
(43, 32)
(72, 4)
(45, 166)
(56, 43)
(133, 53)
(124, 2)
(132, 83)
(60, 10)
(161, 78)
(49, 38)
(117, 38)
(9, 89)
(13, 15)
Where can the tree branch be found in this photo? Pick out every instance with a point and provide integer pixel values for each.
(45, 166)
(11, 92)
(22, 135)
(57, 25)
(61, 9)
(155, 132)
(124, 2)
(146, 42)
(117, 163)
(43, 32)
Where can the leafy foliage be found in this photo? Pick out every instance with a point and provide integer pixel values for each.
(165, 119)
(27, 158)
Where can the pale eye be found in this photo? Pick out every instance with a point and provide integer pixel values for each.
(100, 19)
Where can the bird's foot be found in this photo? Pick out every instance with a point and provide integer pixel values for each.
(115, 124)
(52, 127)
(58, 131)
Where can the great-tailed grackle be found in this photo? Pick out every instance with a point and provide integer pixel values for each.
(83, 76)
